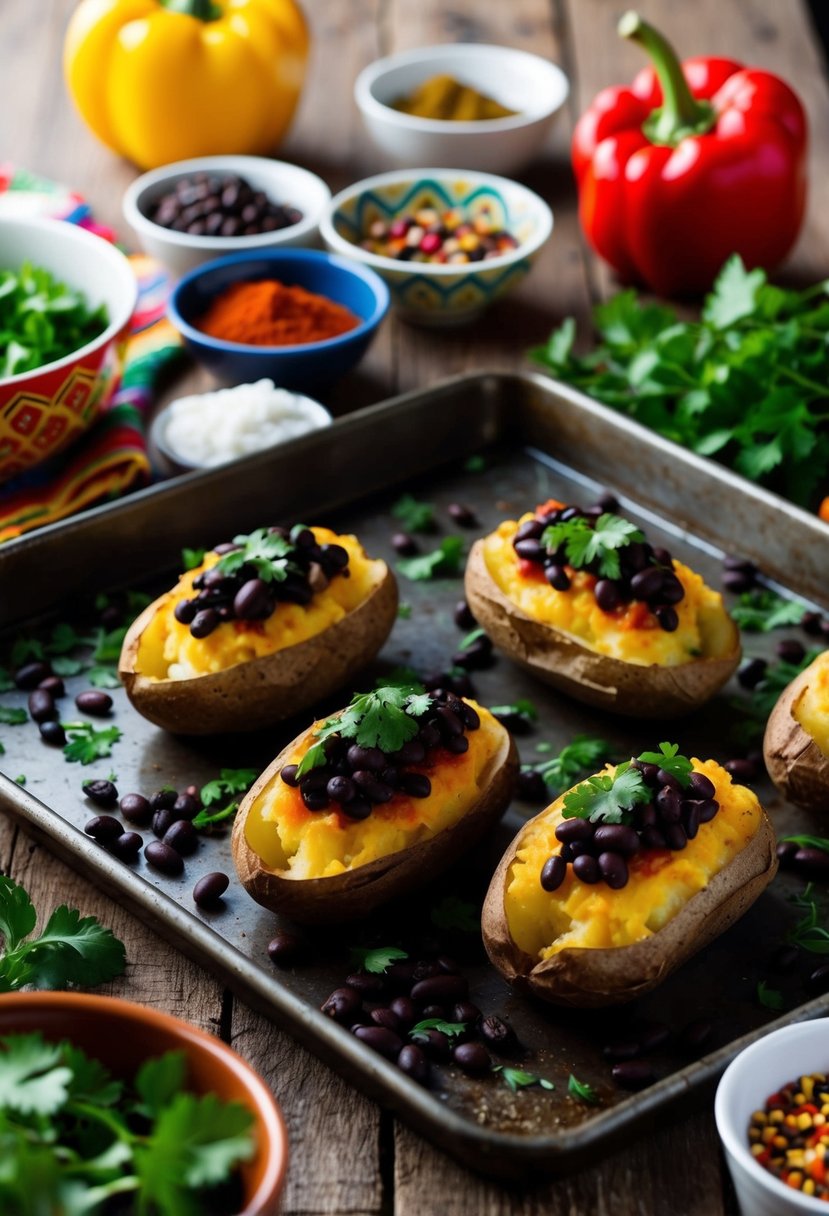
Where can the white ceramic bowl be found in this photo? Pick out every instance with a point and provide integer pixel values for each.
(429, 293)
(534, 87)
(757, 1072)
(180, 252)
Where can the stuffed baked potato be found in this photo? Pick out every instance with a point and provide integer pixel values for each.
(796, 744)
(585, 603)
(601, 896)
(261, 629)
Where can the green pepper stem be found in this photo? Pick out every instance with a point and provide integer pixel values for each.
(202, 10)
(681, 113)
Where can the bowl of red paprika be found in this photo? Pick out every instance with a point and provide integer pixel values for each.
(299, 317)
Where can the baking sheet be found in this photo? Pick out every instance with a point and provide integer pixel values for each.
(540, 440)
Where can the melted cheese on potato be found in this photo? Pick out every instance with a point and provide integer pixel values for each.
(661, 881)
(811, 708)
(168, 651)
(319, 844)
(631, 633)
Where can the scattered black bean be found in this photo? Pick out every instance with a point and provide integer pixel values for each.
(530, 786)
(462, 515)
(30, 675)
(434, 1012)
(126, 847)
(741, 770)
(42, 707)
(466, 1012)
(404, 1008)
(366, 982)
(498, 1035)
(413, 1063)
(586, 868)
(436, 1045)
(182, 837)
(811, 623)
(103, 828)
(162, 857)
(812, 863)
(786, 851)
(387, 1018)
(750, 675)
(163, 820)
(186, 806)
(53, 685)
(163, 800)
(95, 702)
(440, 988)
(633, 1074)
(53, 733)
(286, 948)
(472, 1058)
(386, 1042)
(136, 809)
(463, 617)
(102, 793)
(404, 544)
(791, 651)
(341, 1005)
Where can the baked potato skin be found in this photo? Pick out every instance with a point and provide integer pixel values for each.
(355, 893)
(266, 690)
(794, 761)
(590, 978)
(557, 658)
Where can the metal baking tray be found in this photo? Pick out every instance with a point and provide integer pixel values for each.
(540, 439)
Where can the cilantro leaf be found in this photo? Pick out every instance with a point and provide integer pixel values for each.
(267, 552)
(229, 781)
(383, 718)
(521, 708)
(450, 1029)
(62, 665)
(159, 1080)
(73, 950)
(582, 1091)
(87, 744)
(10, 716)
(668, 759)
(607, 797)
(769, 998)
(413, 515)
(761, 611)
(575, 760)
(32, 1078)
(517, 1078)
(208, 819)
(103, 677)
(445, 560)
(377, 959)
(192, 558)
(592, 544)
(17, 915)
(404, 611)
(734, 295)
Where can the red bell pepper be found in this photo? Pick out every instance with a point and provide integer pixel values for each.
(690, 164)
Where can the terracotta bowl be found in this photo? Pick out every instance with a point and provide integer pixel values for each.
(43, 410)
(122, 1035)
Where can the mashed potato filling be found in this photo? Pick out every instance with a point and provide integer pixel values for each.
(811, 707)
(168, 651)
(319, 844)
(661, 881)
(631, 633)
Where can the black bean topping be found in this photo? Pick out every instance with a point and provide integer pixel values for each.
(288, 775)
(53, 733)
(436, 1045)
(557, 577)
(553, 873)
(372, 787)
(182, 837)
(472, 1058)
(94, 702)
(570, 830)
(458, 745)
(341, 789)
(618, 838)
(701, 786)
(285, 948)
(126, 847)
(102, 793)
(667, 618)
(103, 828)
(370, 758)
(204, 622)
(654, 838)
(613, 869)
(366, 982)
(675, 835)
(253, 600)
(162, 857)
(415, 785)
(607, 595)
(412, 752)
(530, 549)
(387, 1018)
(358, 808)
(668, 804)
(586, 868)
(315, 800)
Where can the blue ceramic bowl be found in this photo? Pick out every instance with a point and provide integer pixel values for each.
(297, 367)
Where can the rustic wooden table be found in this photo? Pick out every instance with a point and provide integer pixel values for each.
(348, 1156)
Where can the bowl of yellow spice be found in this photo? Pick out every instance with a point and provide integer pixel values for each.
(465, 106)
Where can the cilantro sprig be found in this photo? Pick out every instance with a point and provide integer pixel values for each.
(268, 553)
(377, 959)
(611, 797)
(769, 998)
(746, 383)
(73, 1138)
(592, 544)
(582, 1091)
(229, 782)
(87, 743)
(385, 718)
(414, 516)
(573, 761)
(761, 610)
(517, 1078)
(445, 560)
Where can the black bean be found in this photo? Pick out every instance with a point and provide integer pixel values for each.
(477, 656)
(126, 847)
(648, 583)
(208, 891)
(94, 701)
(163, 799)
(690, 819)
(650, 772)
(694, 1037)
(733, 561)
(371, 787)
(668, 619)
(357, 809)
(315, 800)
(675, 836)
(498, 1035)
(741, 770)
(204, 622)
(440, 988)
(466, 1012)
(53, 685)
(818, 980)
(645, 816)
(614, 870)
(458, 745)
(553, 873)
(185, 610)
(470, 717)
(637, 555)
(531, 530)
(366, 982)
(790, 651)
(737, 581)
(163, 820)
(654, 838)
(672, 591)
(530, 549)
(342, 1004)
(665, 778)
(633, 1074)
(387, 1018)
(334, 556)
(381, 1040)
(608, 501)
(786, 852)
(253, 600)
(415, 785)
(607, 595)
(429, 735)
(448, 722)
(53, 733)
(530, 786)
(472, 1058)
(412, 752)
(810, 623)
(616, 838)
(571, 830)
(288, 775)
(370, 758)
(30, 675)
(436, 1045)
(750, 675)
(405, 1010)
(701, 786)
(162, 857)
(413, 1063)
(813, 863)
(579, 848)
(462, 514)
(653, 1035)
(463, 617)
(286, 948)
(102, 793)
(341, 789)
(103, 828)
(182, 837)
(186, 806)
(586, 868)
(42, 706)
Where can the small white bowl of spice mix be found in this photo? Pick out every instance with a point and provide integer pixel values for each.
(204, 430)
(772, 1113)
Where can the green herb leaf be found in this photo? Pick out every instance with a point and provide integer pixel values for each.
(576, 760)
(770, 998)
(103, 677)
(32, 1079)
(74, 950)
(377, 959)
(12, 717)
(195, 1143)
(230, 781)
(592, 544)
(159, 1080)
(17, 914)
(21, 779)
(450, 1029)
(413, 515)
(268, 553)
(62, 665)
(404, 611)
(191, 558)
(667, 758)
(517, 1078)
(42, 319)
(808, 933)
(808, 842)
(87, 744)
(209, 819)
(6, 682)
(761, 611)
(607, 798)
(582, 1091)
(384, 718)
(445, 560)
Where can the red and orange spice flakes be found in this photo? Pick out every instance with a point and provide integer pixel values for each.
(790, 1137)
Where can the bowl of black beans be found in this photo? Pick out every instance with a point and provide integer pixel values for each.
(197, 210)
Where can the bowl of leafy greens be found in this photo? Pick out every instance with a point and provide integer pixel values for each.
(114, 1109)
(66, 299)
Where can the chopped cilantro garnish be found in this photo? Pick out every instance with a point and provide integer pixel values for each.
(384, 718)
(268, 553)
(592, 544)
(450, 1029)
(10, 716)
(582, 1091)
(517, 1078)
(762, 610)
(573, 761)
(607, 797)
(413, 515)
(192, 558)
(668, 760)
(377, 959)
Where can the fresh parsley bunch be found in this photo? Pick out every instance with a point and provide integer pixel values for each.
(746, 383)
(73, 1138)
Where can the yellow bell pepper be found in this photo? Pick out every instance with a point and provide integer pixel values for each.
(164, 80)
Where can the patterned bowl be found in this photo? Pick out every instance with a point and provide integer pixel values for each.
(42, 411)
(431, 293)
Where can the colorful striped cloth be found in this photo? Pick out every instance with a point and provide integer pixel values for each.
(111, 458)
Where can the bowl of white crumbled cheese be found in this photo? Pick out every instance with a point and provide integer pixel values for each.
(209, 429)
